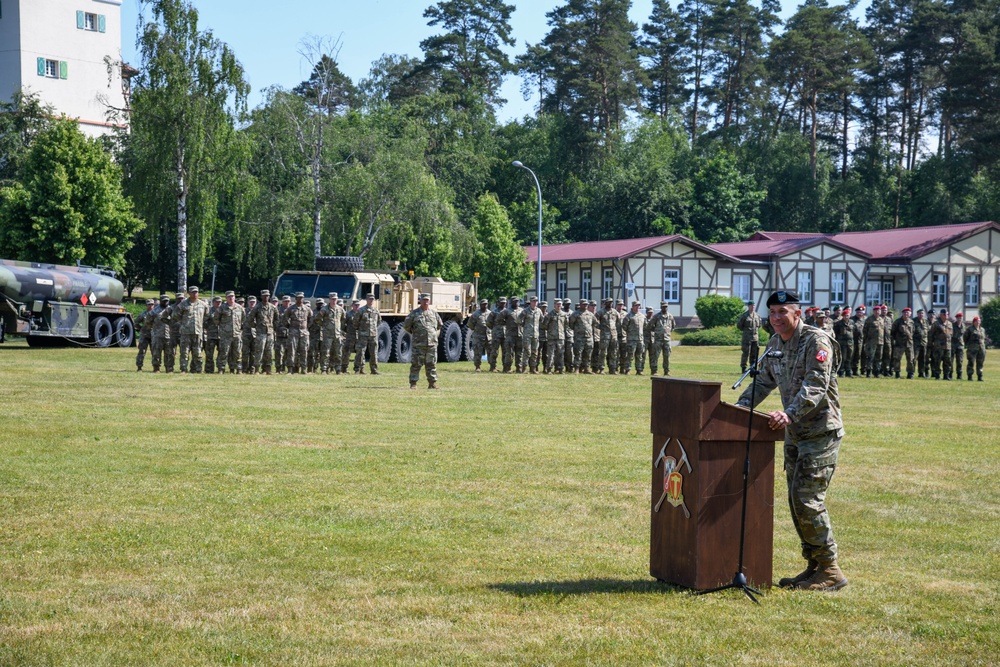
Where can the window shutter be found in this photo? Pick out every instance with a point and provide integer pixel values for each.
(62, 69)
(41, 67)
(79, 20)
(100, 23)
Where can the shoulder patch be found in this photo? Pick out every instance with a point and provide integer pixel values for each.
(822, 355)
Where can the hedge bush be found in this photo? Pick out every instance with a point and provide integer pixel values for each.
(990, 314)
(715, 310)
(727, 335)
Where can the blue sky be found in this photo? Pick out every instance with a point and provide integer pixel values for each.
(266, 35)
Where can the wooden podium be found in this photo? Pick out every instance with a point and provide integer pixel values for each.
(699, 443)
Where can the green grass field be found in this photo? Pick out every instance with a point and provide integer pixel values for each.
(190, 520)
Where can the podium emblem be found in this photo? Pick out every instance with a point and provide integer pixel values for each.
(673, 480)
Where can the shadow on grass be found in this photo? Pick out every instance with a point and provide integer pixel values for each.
(587, 587)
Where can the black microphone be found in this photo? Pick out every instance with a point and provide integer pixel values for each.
(773, 354)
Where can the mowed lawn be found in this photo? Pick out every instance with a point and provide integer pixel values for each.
(204, 520)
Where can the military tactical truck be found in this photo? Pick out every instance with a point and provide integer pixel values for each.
(51, 304)
(395, 295)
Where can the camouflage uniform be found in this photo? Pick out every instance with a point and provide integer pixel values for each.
(975, 349)
(229, 320)
(192, 321)
(175, 325)
(423, 327)
(298, 317)
(332, 323)
(647, 337)
(496, 321)
(569, 346)
(211, 337)
(940, 344)
(144, 322)
(921, 329)
(873, 345)
(163, 348)
(366, 323)
(263, 319)
(481, 334)
(249, 336)
(315, 336)
(622, 342)
(543, 346)
(958, 344)
(749, 325)
(350, 336)
(804, 375)
(662, 326)
(635, 324)
(281, 343)
(902, 343)
(555, 324)
(858, 362)
(512, 336)
(583, 322)
(886, 343)
(843, 331)
(608, 353)
(530, 321)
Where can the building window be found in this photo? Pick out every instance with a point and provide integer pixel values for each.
(90, 21)
(585, 284)
(838, 280)
(672, 285)
(888, 295)
(544, 286)
(561, 283)
(608, 284)
(806, 286)
(52, 69)
(741, 286)
(873, 297)
(972, 289)
(939, 289)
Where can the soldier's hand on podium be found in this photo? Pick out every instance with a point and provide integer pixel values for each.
(778, 420)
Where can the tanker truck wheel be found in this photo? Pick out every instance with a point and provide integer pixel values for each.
(101, 332)
(402, 345)
(342, 263)
(384, 343)
(467, 352)
(450, 345)
(124, 332)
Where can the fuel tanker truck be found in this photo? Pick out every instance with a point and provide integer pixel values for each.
(50, 304)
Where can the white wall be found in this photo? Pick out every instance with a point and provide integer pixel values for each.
(10, 51)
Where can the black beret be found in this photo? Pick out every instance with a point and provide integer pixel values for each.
(782, 297)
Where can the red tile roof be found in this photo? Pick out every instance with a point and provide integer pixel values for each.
(585, 251)
(761, 248)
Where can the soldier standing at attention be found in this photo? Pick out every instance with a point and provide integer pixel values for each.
(749, 325)
(958, 343)
(192, 321)
(554, 324)
(496, 322)
(940, 343)
(264, 319)
(423, 324)
(810, 415)
(162, 347)
(622, 346)
(569, 347)
(297, 318)
(145, 324)
(921, 330)
(542, 334)
(530, 320)
(481, 334)
(512, 335)
(843, 331)
(175, 324)
(902, 343)
(873, 344)
(229, 321)
(212, 334)
(647, 336)
(332, 322)
(351, 333)
(608, 353)
(886, 341)
(635, 324)
(281, 351)
(366, 323)
(582, 321)
(857, 362)
(248, 335)
(315, 335)
(975, 339)
(662, 325)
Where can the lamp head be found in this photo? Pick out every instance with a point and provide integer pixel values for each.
(517, 163)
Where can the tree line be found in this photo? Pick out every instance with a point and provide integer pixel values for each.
(714, 118)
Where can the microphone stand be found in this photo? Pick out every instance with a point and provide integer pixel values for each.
(739, 581)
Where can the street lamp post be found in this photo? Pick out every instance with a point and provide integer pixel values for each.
(538, 285)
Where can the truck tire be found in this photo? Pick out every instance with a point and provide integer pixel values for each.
(467, 352)
(384, 342)
(450, 345)
(124, 332)
(402, 345)
(101, 333)
(340, 263)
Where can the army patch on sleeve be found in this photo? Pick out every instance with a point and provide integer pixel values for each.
(822, 355)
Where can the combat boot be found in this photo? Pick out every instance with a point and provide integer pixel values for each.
(432, 385)
(792, 582)
(897, 375)
(413, 385)
(827, 578)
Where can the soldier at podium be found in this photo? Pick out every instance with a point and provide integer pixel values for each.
(806, 375)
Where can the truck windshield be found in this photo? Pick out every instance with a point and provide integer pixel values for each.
(342, 285)
(290, 283)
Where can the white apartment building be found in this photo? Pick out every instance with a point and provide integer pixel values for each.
(61, 50)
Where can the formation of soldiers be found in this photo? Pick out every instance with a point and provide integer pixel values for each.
(876, 344)
(567, 339)
(258, 335)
